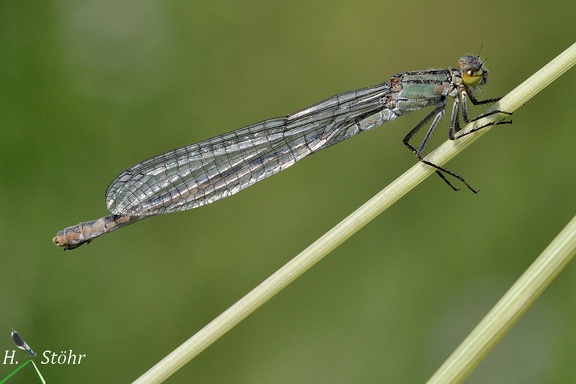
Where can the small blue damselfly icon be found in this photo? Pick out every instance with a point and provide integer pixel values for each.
(20, 343)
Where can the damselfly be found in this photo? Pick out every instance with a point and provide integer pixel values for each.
(212, 169)
(20, 343)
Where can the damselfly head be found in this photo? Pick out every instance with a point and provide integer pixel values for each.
(473, 71)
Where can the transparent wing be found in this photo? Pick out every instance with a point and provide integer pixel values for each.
(212, 169)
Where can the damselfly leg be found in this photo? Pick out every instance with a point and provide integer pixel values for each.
(454, 132)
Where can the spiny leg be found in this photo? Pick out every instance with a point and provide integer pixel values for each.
(459, 136)
(455, 123)
(437, 113)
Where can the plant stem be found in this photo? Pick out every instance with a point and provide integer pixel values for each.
(510, 308)
(350, 225)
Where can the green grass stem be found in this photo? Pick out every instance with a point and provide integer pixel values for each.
(510, 308)
(350, 225)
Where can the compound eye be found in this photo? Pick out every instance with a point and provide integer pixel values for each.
(473, 77)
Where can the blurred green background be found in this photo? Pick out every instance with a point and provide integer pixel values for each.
(90, 88)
